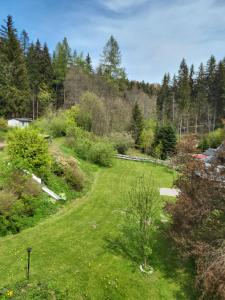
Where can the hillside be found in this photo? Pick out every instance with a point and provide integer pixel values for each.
(79, 249)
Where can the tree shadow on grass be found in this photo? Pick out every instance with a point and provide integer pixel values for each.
(164, 258)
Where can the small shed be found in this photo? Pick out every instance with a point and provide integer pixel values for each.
(19, 122)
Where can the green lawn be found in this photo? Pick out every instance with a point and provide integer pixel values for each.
(78, 248)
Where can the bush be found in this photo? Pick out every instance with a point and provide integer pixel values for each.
(68, 168)
(7, 200)
(212, 140)
(101, 153)
(28, 150)
(147, 136)
(3, 124)
(121, 141)
(22, 185)
(165, 136)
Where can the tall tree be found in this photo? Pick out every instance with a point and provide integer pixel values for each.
(40, 72)
(62, 60)
(163, 99)
(137, 124)
(15, 87)
(183, 94)
(111, 60)
(219, 102)
(200, 104)
(24, 41)
(211, 69)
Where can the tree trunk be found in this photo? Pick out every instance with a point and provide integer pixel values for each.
(37, 107)
(33, 105)
(196, 123)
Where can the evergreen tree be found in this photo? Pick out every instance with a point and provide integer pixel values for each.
(164, 99)
(165, 136)
(24, 41)
(137, 124)
(62, 60)
(111, 60)
(40, 72)
(200, 104)
(15, 87)
(211, 69)
(219, 102)
(89, 63)
(183, 94)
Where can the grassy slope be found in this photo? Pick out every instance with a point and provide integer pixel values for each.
(70, 249)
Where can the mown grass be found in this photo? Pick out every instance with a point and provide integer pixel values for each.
(78, 249)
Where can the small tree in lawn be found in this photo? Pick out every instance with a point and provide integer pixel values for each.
(143, 211)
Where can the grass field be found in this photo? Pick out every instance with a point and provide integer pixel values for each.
(78, 248)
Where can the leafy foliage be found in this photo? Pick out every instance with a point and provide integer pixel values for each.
(28, 149)
(143, 212)
(212, 139)
(122, 141)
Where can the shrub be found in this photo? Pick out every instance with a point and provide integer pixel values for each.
(166, 136)
(101, 153)
(121, 141)
(28, 149)
(22, 185)
(68, 168)
(147, 136)
(212, 139)
(3, 124)
(7, 200)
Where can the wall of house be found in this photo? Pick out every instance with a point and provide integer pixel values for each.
(16, 123)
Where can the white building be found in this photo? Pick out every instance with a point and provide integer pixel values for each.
(19, 122)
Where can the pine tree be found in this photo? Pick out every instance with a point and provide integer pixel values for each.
(211, 69)
(14, 88)
(200, 104)
(89, 63)
(47, 68)
(164, 99)
(24, 41)
(219, 103)
(137, 124)
(62, 60)
(183, 94)
(111, 60)
(40, 72)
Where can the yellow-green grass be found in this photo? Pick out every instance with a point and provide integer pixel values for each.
(76, 248)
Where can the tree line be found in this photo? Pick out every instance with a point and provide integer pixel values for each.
(32, 80)
(194, 101)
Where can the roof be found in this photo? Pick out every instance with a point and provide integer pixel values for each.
(209, 152)
(23, 119)
(200, 156)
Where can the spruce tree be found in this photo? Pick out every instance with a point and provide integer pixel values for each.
(14, 88)
(164, 99)
(111, 60)
(219, 102)
(24, 41)
(200, 104)
(89, 63)
(183, 95)
(136, 124)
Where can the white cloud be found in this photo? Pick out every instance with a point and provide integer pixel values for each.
(120, 5)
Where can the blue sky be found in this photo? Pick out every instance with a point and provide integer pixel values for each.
(154, 35)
